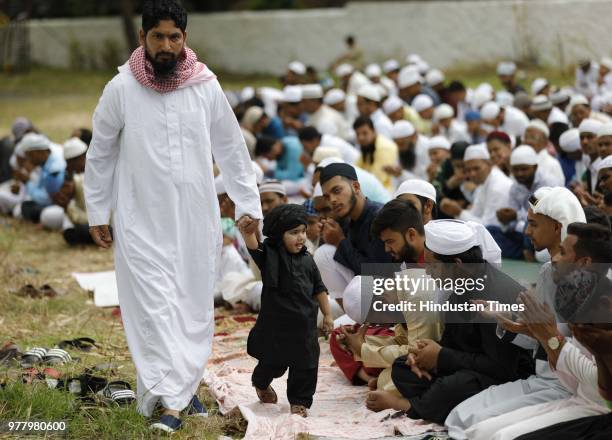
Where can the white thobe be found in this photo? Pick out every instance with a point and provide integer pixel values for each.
(550, 166)
(325, 117)
(488, 198)
(382, 123)
(150, 163)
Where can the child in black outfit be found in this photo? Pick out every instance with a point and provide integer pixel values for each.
(285, 334)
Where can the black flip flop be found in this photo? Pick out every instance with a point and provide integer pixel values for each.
(82, 344)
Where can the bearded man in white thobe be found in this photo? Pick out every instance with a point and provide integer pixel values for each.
(156, 128)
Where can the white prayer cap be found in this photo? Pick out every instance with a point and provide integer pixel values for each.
(74, 147)
(219, 186)
(418, 187)
(423, 67)
(606, 62)
(590, 126)
(373, 70)
(539, 125)
(360, 288)
(369, 91)
(292, 94)
(438, 142)
(604, 164)
(247, 93)
(560, 204)
(443, 111)
(506, 68)
(334, 96)
(560, 96)
(13, 162)
(297, 67)
(390, 65)
(480, 98)
(504, 98)
(490, 111)
(317, 191)
(312, 91)
(249, 140)
(329, 161)
(538, 85)
(392, 104)
(453, 237)
(272, 186)
(485, 86)
(323, 152)
(382, 90)
(569, 141)
(259, 174)
(33, 142)
(523, 155)
(577, 100)
(540, 102)
(344, 70)
(605, 129)
(402, 129)
(251, 116)
(422, 102)
(408, 76)
(476, 152)
(434, 77)
(413, 58)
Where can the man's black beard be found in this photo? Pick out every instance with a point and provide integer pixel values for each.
(367, 152)
(408, 254)
(163, 69)
(407, 158)
(353, 202)
(608, 199)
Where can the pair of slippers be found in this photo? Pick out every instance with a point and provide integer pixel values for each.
(44, 291)
(40, 355)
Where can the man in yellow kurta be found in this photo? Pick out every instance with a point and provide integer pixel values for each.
(377, 151)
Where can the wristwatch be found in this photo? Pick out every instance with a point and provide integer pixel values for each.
(555, 342)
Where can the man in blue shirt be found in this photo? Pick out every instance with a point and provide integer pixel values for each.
(47, 177)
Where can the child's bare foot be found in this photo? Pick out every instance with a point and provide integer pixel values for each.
(267, 396)
(373, 383)
(299, 410)
(381, 400)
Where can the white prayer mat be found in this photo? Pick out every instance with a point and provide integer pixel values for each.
(338, 410)
(103, 285)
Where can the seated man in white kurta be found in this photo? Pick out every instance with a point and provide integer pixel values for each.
(150, 164)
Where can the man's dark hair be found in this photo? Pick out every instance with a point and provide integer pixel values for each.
(556, 130)
(456, 86)
(594, 215)
(85, 135)
(399, 216)
(350, 40)
(309, 133)
(153, 11)
(594, 241)
(361, 121)
(458, 149)
(264, 144)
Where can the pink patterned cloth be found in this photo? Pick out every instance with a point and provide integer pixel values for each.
(142, 69)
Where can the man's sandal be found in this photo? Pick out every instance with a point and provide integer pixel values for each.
(267, 396)
(299, 410)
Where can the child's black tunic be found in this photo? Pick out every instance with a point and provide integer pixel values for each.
(285, 333)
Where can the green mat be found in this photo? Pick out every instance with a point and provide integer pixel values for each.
(521, 271)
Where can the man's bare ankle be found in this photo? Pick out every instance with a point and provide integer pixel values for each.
(171, 412)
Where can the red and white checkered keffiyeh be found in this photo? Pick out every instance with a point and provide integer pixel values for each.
(142, 69)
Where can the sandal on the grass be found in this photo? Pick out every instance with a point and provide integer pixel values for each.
(57, 356)
(48, 291)
(119, 392)
(8, 352)
(82, 344)
(33, 356)
(29, 291)
(299, 410)
(267, 396)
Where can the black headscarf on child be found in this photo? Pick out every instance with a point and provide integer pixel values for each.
(278, 221)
